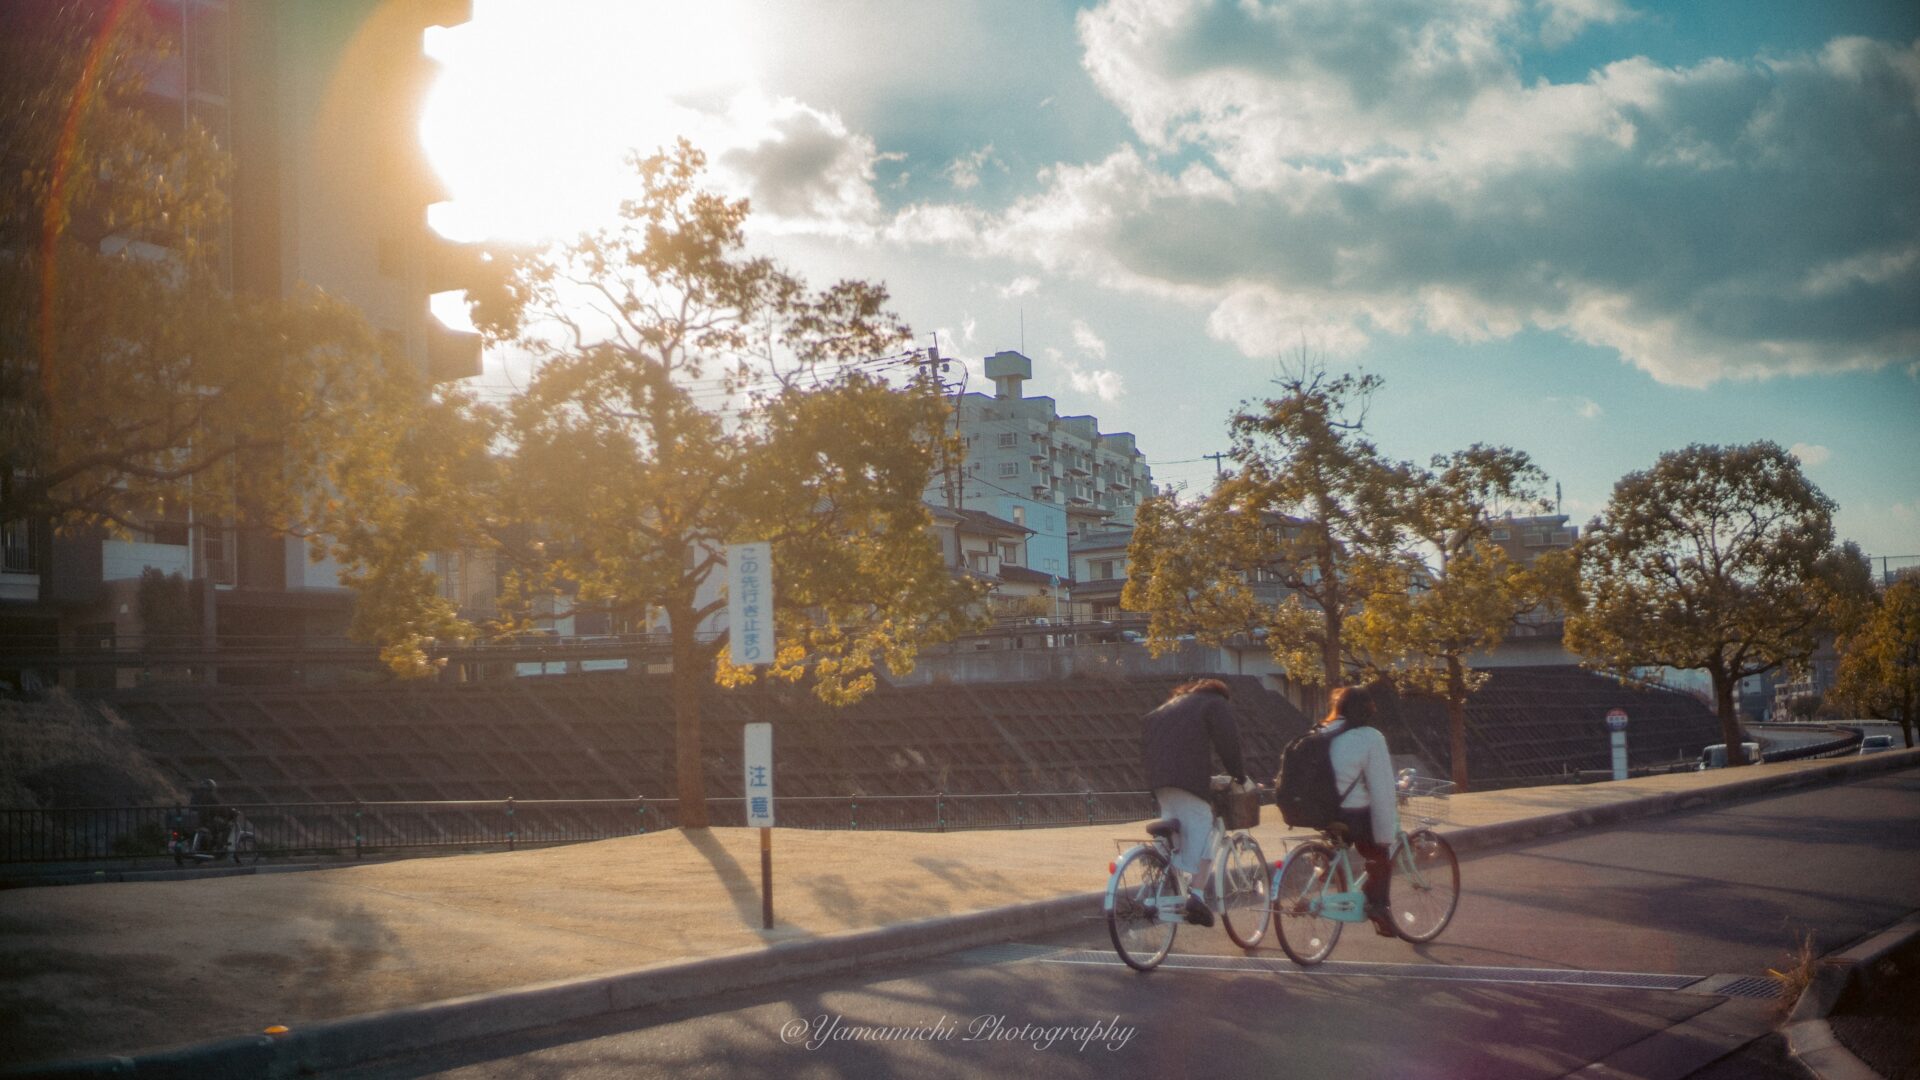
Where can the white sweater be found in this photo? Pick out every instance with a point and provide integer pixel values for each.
(1360, 754)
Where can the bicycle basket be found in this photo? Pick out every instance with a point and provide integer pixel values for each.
(1423, 796)
(1237, 809)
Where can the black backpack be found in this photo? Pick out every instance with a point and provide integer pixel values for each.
(1304, 789)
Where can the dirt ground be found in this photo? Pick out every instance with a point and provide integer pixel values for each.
(113, 968)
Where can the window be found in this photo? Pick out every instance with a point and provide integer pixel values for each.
(979, 560)
(1006, 440)
(1009, 553)
(1009, 468)
(1502, 534)
(1036, 468)
(1019, 515)
(1103, 570)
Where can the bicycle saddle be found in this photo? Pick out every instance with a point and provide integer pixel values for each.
(1337, 832)
(1165, 827)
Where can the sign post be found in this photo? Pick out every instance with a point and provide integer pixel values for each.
(1617, 729)
(750, 636)
(759, 759)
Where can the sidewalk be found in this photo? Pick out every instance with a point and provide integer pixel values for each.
(543, 936)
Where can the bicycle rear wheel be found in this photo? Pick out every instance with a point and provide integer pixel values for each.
(1307, 936)
(1140, 935)
(246, 850)
(1245, 909)
(1426, 887)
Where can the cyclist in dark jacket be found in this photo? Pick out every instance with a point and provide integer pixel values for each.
(210, 813)
(1182, 737)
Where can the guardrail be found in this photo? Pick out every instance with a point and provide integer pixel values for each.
(361, 828)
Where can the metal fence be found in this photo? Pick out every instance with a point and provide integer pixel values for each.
(365, 828)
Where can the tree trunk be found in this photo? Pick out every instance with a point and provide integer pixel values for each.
(689, 681)
(1457, 722)
(1729, 720)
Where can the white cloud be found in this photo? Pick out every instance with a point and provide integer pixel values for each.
(805, 171)
(964, 171)
(1087, 340)
(1103, 383)
(1810, 454)
(1020, 286)
(1566, 19)
(1388, 170)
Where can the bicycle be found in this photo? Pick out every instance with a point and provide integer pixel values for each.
(1146, 902)
(1316, 891)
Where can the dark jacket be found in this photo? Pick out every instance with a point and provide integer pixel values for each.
(1182, 737)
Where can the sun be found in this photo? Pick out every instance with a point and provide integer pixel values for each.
(538, 105)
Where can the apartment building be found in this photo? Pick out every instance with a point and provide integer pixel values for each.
(1060, 476)
(1525, 539)
(318, 105)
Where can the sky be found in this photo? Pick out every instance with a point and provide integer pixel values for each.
(1591, 230)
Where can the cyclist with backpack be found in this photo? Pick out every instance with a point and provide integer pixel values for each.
(1183, 734)
(1341, 773)
(1363, 772)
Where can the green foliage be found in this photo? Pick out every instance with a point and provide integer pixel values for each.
(1312, 507)
(1718, 559)
(1879, 672)
(1455, 592)
(685, 397)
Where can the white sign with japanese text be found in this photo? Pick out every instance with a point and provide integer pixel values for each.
(750, 603)
(759, 759)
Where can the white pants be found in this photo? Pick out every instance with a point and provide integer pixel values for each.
(1195, 816)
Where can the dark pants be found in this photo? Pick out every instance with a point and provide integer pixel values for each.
(1359, 825)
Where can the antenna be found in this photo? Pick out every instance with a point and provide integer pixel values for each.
(1556, 497)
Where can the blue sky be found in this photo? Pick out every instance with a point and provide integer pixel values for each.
(1593, 230)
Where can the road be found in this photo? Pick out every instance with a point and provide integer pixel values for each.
(1648, 908)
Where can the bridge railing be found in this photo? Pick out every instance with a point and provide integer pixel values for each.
(371, 827)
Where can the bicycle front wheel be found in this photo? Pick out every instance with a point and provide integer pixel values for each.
(1300, 884)
(1426, 887)
(1140, 935)
(1246, 909)
(246, 850)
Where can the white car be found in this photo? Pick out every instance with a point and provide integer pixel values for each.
(1715, 756)
(1874, 744)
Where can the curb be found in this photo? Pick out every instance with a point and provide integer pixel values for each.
(1809, 1037)
(334, 1044)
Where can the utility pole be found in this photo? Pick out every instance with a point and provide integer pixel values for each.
(1218, 471)
(935, 367)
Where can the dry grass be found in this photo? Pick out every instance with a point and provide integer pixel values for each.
(1795, 975)
(58, 752)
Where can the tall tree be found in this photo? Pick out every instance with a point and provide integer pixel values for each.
(1717, 559)
(1879, 671)
(135, 387)
(686, 397)
(1310, 507)
(1456, 593)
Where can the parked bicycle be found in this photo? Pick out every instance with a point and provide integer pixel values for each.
(1318, 888)
(1146, 899)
